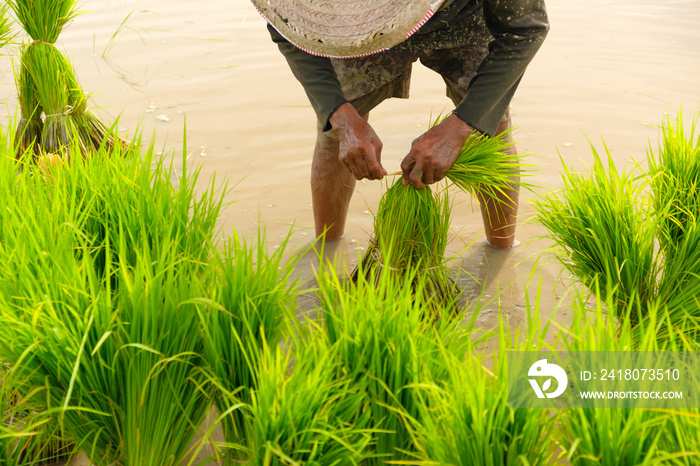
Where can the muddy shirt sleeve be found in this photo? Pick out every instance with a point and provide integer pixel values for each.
(518, 27)
(316, 75)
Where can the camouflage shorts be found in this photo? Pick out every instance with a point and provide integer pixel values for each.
(367, 81)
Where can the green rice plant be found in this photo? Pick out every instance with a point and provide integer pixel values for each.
(44, 20)
(386, 346)
(49, 71)
(308, 414)
(623, 436)
(468, 421)
(28, 436)
(674, 177)
(18, 429)
(674, 174)
(617, 237)
(485, 166)
(29, 129)
(466, 418)
(252, 298)
(679, 439)
(679, 288)
(606, 436)
(92, 132)
(132, 200)
(603, 233)
(410, 233)
(108, 326)
(121, 373)
(6, 34)
(46, 83)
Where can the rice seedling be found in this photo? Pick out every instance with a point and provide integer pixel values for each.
(410, 233)
(6, 34)
(674, 174)
(30, 126)
(48, 71)
(386, 347)
(622, 435)
(674, 177)
(679, 439)
(616, 237)
(13, 431)
(44, 20)
(107, 326)
(466, 418)
(468, 421)
(485, 166)
(132, 200)
(311, 416)
(46, 84)
(28, 436)
(252, 298)
(121, 373)
(602, 232)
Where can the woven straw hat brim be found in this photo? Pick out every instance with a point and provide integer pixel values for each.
(346, 28)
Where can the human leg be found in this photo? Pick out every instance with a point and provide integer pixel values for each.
(332, 186)
(457, 67)
(499, 213)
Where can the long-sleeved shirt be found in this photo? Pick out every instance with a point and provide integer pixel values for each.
(518, 28)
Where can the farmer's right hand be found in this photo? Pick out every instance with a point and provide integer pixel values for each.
(360, 147)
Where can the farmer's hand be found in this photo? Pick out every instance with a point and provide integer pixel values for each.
(434, 152)
(360, 147)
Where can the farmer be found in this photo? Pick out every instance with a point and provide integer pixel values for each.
(480, 47)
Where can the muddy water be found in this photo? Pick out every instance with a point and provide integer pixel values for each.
(609, 69)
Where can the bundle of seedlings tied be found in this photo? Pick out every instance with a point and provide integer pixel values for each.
(410, 232)
(47, 87)
(411, 226)
(636, 247)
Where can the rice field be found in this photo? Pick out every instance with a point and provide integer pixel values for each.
(124, 321)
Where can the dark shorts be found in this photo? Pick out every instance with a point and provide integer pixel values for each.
(456, 55)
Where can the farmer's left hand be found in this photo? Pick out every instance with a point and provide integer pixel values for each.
(434, 152)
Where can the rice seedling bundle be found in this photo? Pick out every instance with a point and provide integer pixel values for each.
(617, 237)
(114, 347)
(44, 20)
(674, 173)
(675, 179)
(30, 126)
(121, 373)
(410, 233)
(131, 203)
(411, 226)
(386, 347)
(303, 417)
(252, 298)
(622, 435)
(486, 167)
(467, 420)
(46, 83)
(601, 227)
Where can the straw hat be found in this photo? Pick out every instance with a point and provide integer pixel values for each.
(346, 28)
